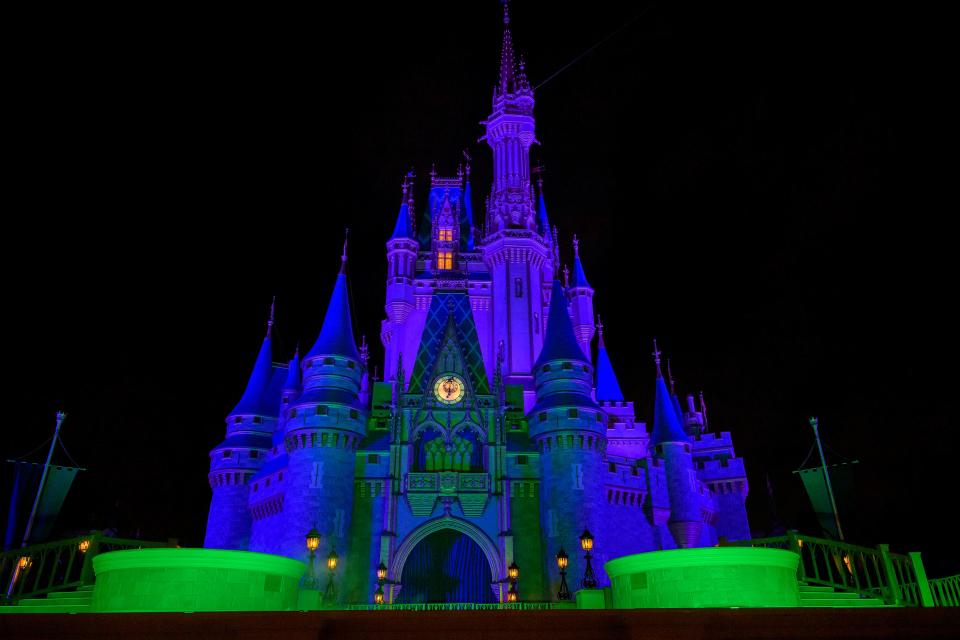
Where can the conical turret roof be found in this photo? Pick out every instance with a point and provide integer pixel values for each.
(559, 343)
(608, 388)
(257, 386)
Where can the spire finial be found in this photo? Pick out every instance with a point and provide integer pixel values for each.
(364, 350)
(566, 277)
(506, 12)
(673, 390)
(656, 358)
(576, 246)
(556, 252)
(273, 303)
(343, 257)
(703, 410)
(600, 331)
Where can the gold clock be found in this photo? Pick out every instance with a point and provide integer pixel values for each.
(449, 389)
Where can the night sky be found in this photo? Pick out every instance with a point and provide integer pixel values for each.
(747, 183)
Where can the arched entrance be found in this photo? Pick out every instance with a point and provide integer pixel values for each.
(446, 560)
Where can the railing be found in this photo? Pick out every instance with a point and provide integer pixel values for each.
(456, 606)
(38, 569)
(897, 579)
(945, 591)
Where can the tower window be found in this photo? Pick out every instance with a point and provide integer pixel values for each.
(445, 260)
(518, 287)
(543, 416)
(354, 414)
(238, 420)
(567, 366)
(321, 410)
(521, 459)
(257, 420)
(328, 361)
(573, 413)
(613, 467)
(445, 235)
(227, 454)
(373, 458)
(254, 454)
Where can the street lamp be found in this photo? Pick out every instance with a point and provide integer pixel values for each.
(329, 592)
(512, 593)
(586, 543)
(562, 561)
(84, 545)
(513, 573)
(313, 542)
(381, 578)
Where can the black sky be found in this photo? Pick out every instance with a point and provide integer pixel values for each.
(749, 184)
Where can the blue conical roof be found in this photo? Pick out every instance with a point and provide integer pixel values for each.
(559, 342)
(607, 386)
(666, 424)
(293, 373)
(336, 336)
(402, 228)
(542, 215)
(579, 277)
(257, 387)
(675, 401)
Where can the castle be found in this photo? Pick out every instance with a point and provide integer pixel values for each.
(496, 436)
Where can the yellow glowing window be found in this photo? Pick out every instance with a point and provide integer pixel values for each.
(446, 235)
(445, 260)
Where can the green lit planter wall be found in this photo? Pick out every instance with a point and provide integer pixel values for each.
(708, 577)
(195, 580)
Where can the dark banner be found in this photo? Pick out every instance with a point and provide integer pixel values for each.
(26, 480)
(841, 477)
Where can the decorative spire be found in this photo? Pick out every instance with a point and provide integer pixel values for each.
(579, 276)
(556, 252)
(566, 277)
(273, 304)
(343, 257)
(336, 335)
(608, 387)
(364, 350)
(656, 359)
(703, 410)
(507, 64)
(673, 389)
(293, 372)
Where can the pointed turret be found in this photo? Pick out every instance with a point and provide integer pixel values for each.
(674, 398)
(560, 343)
(666, 423)
(336, 336)
(608, 388)
(293, 373)
(252, 401)
(579, 277)
(402, 229)
(581, 301)
(468, 210)
(542, 211)
(507, 64)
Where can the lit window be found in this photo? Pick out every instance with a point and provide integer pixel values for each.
(445, 260)
(445, 235)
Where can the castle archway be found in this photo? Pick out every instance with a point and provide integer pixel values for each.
(447, 560)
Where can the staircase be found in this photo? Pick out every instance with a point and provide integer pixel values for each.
(79, 601)
(817, 596)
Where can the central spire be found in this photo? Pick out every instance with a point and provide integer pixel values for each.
(507, 64)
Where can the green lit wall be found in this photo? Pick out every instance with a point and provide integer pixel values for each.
(195, 580)
(706, 577)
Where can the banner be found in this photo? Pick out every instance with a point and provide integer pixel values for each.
(841, 477)
(26, 480)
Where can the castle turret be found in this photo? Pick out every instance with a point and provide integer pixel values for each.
(401, 268)
(515, 249)
(569, 430)
(608, 388)
(581, 302)
(324, 427)
(671, 445)
(235, 460)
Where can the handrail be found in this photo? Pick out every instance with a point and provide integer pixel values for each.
(457, 606)
(38, 569)
(945, 591)
(872, 572)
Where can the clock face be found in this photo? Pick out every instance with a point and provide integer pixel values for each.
(449, 389)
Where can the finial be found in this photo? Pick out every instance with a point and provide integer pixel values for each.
(656, 358)
(467, 159)
(273, 304)
(566, 277)
(703, 410)
(343, 258)
(376, 373)
(406, 186)
(556, 252)
(673, 391)
(506, 12)
(576, 246)
(600, 331)
(433, 170)
(538, 171)
(364, 349)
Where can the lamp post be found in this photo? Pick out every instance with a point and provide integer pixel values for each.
(330, 592)
(513, 573)
(313, 542)
(586, 543)
(381, 578)
(84, 545)
(562, 561)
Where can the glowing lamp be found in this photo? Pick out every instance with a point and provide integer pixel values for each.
(24, 562)
(513, 571)
(562, 559)
(512, 594)
(378, 596)
(313, 540)
(382, 572)
(586, 540)
(332, 560)
(84, 546)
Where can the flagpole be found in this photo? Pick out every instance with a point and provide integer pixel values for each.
(43, 479)
(826, 476)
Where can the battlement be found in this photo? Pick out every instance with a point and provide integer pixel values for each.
(708, 441)
(724, 469)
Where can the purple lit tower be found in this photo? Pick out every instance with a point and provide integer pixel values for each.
(496, 436)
